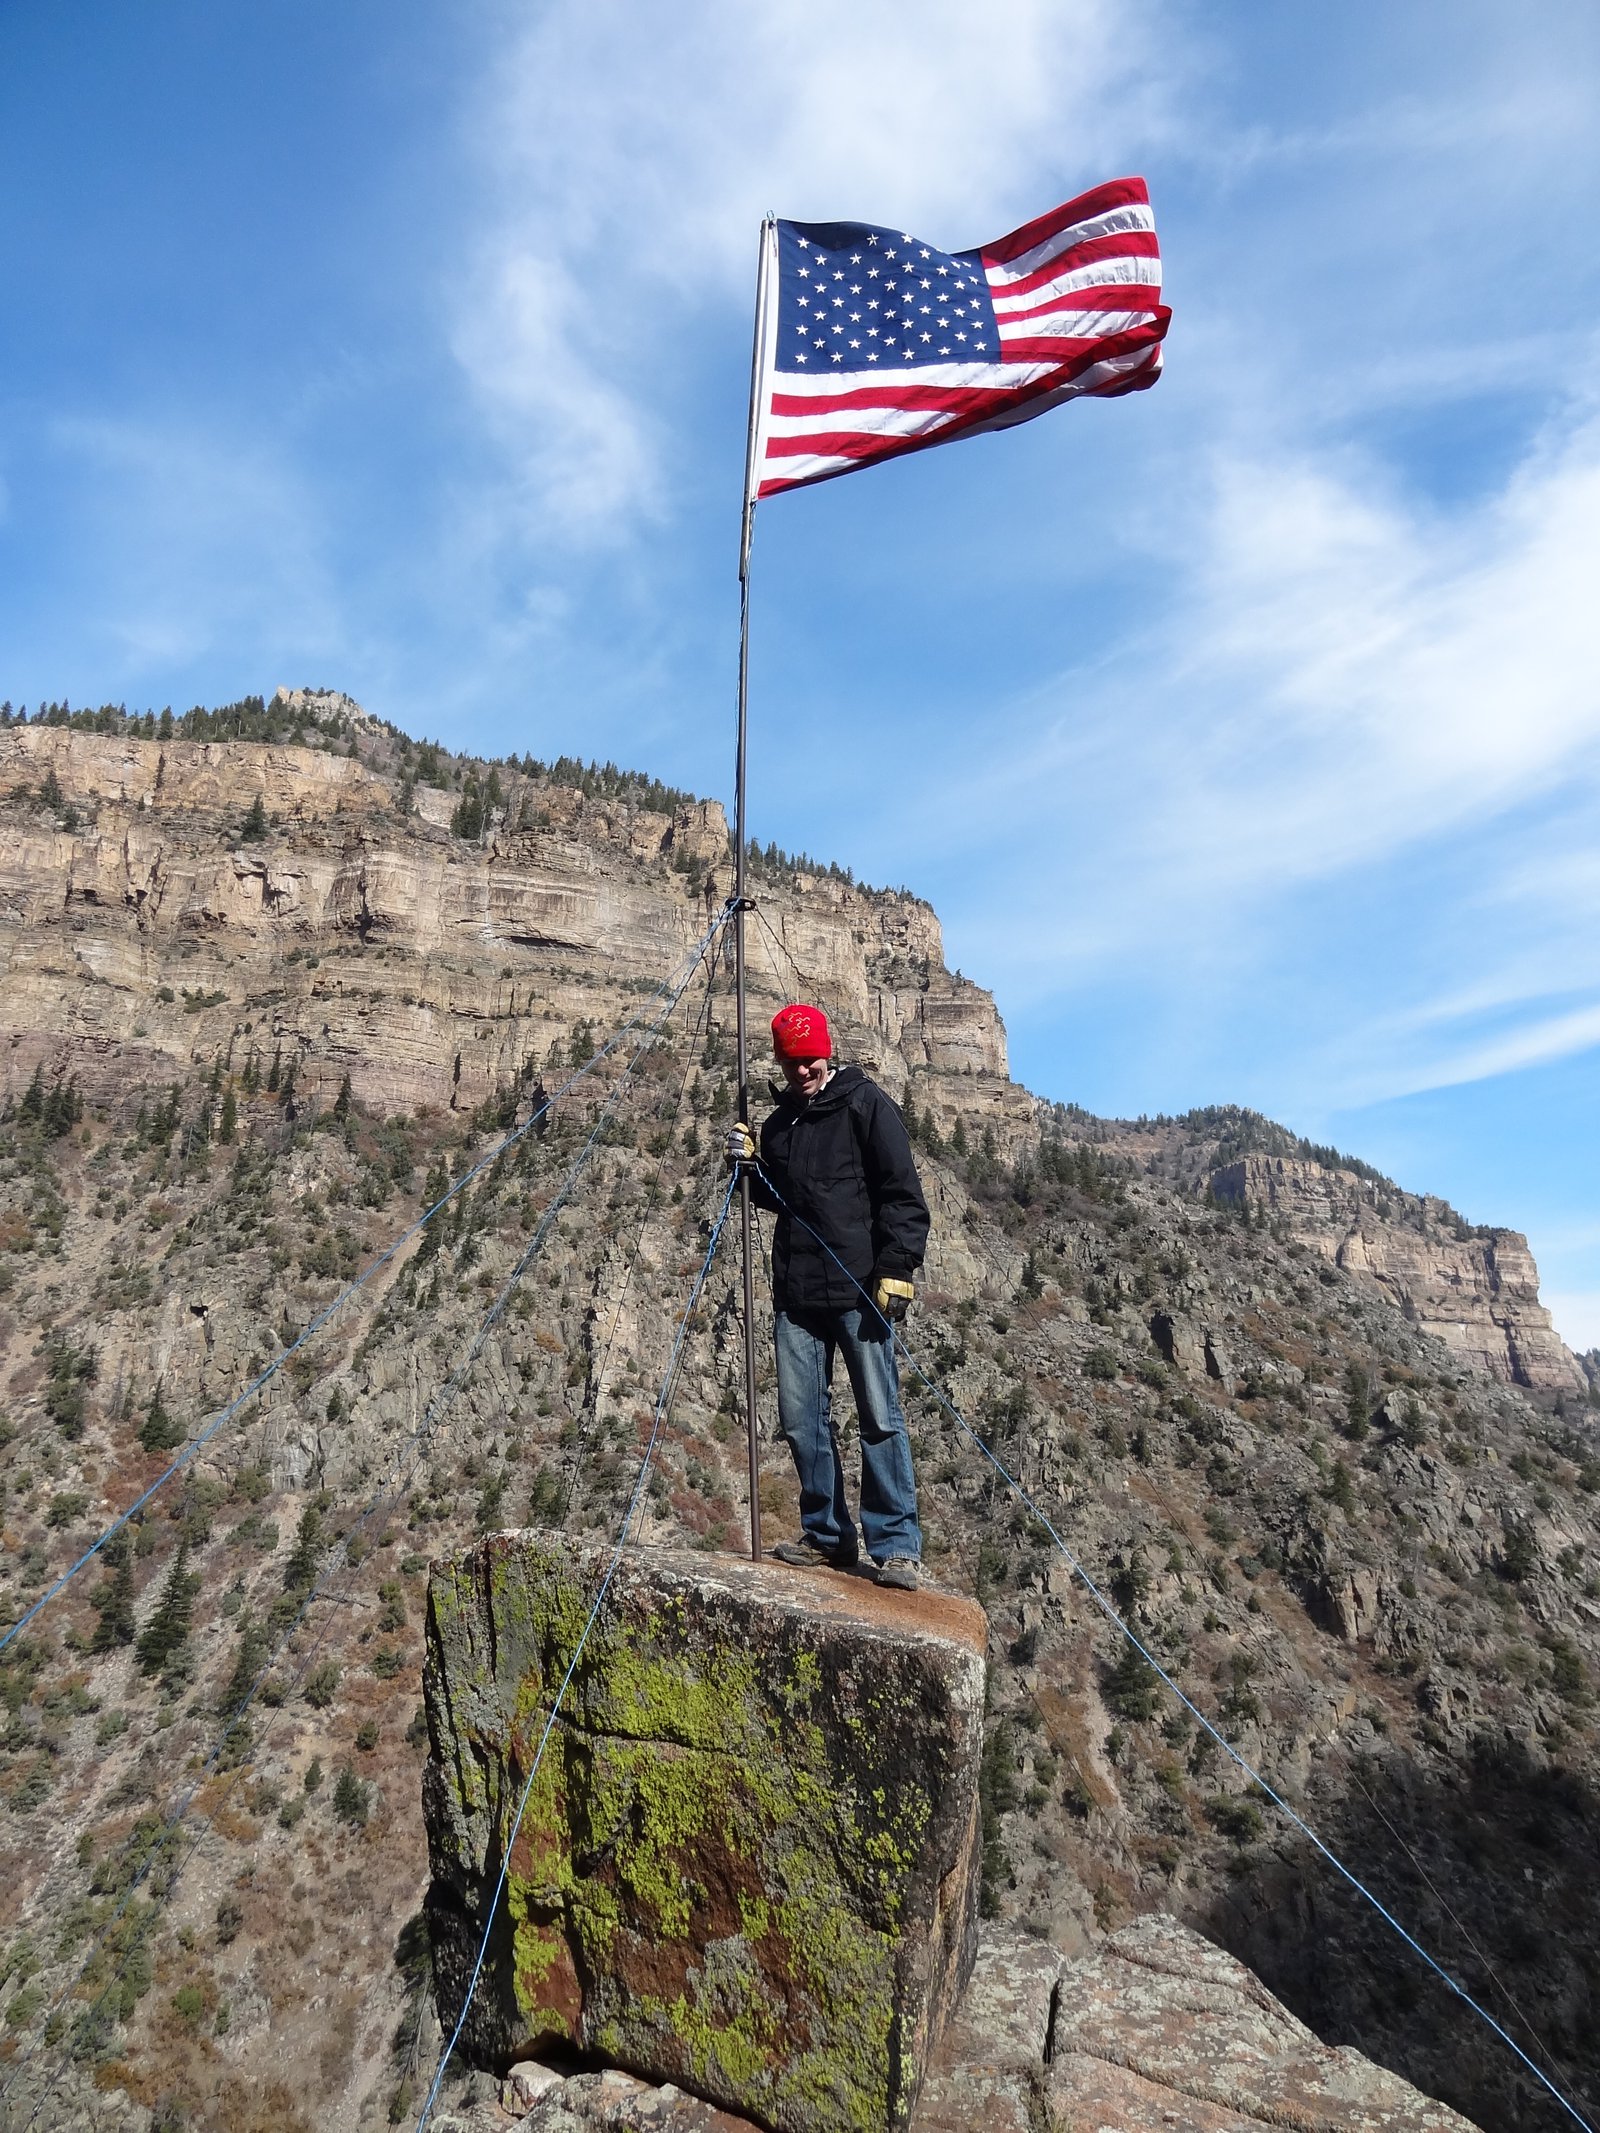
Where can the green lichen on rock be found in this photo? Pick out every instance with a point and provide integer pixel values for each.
(735, 1862)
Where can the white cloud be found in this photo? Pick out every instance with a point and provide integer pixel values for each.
(583, 451)
(1342, 676)
(633, 156)
(1346, 677)
(1535, 1043)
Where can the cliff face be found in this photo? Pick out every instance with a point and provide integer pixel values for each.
(358, 936)
(356, 939)
(1477, 1290)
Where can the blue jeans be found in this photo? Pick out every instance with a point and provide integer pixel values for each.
(806, 1345)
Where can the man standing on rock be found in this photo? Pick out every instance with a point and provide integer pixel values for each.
(836, 1169)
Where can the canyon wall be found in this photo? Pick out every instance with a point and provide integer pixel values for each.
(143, 933)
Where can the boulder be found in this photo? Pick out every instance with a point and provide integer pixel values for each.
(1160, 2028)
(989, 2069)
(1156, 2030)
(747, 1864)
(1180, 1342)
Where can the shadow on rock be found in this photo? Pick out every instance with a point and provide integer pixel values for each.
(1494, 1867)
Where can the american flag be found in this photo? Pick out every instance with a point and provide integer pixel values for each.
(879, 344)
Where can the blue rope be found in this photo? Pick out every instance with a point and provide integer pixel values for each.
(662, 1399)
(360, 1282)
(1111, 1615)
(438, 1407)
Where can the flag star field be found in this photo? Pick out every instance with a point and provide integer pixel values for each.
(855, 297)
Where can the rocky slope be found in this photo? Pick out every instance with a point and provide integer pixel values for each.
(239, 1056)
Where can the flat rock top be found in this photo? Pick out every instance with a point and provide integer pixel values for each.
(838, 1596)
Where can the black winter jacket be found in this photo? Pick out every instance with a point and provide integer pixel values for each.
(843, 1163)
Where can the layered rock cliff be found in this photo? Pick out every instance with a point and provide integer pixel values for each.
(1477, 1290)
(358, 935)
(355, 934)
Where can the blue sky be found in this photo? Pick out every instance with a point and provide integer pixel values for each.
(1246, 733)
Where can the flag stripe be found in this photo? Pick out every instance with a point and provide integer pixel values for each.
(1122, 195)
(931, 388)
(867, 409)
(896, 388)
(1109, 380)
(1139, 248)
(1081, 281)
(826, 430)
(1104, 299)
(1042, 346)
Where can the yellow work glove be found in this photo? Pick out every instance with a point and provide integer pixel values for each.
(893, 1299)
(741, 1144)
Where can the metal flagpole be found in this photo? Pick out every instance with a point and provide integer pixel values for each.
(752, 466)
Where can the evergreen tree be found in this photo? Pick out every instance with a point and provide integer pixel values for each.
(275, 1072)
(300, 1572)
(350, 1801)
(433, 1191)
(228, 1123)
(62, 1109)
(32, 1104)
(247, 1664)
(254, 826)
(1133, 1687)
(162, 1645)
(160, 1431)
(341, 1103)
(113, 1602)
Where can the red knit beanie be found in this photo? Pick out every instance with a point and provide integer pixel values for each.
(801, 1033)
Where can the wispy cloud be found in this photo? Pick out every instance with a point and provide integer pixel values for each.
(631, 171)
(1350, 685)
